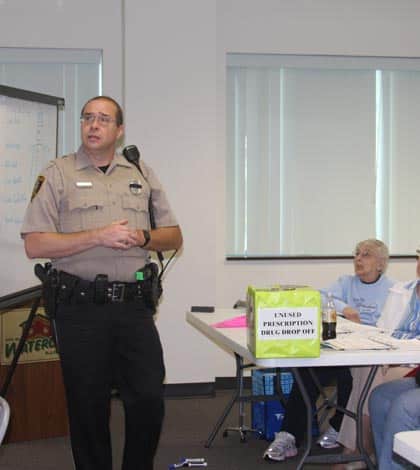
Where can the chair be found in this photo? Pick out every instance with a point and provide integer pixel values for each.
(4, 417)
(406, 444)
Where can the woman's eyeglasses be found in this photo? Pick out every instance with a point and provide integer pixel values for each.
(363, 253)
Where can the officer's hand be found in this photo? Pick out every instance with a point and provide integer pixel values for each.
(117, 235)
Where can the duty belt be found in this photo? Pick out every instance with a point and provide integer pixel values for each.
(75, 290)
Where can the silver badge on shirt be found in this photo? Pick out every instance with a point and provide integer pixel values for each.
(135, 187)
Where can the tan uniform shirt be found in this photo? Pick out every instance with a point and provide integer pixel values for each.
(76, 196)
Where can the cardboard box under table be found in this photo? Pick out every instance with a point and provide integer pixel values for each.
(284, 322)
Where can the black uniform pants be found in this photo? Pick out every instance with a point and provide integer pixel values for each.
(295, 420)
(113, 345)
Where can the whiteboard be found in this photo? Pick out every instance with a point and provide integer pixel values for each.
(28, 141)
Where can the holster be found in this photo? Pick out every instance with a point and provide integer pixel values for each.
(151, 285)
(49, 278)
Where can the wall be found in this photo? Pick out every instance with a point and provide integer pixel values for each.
(175, 90)
(70, 24)
(172, 78)
(171, 114)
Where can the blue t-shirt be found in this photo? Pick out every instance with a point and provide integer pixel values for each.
(367, 299)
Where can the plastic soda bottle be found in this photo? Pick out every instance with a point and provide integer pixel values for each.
(329, 318)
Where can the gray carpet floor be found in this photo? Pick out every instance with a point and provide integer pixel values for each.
(188, 422)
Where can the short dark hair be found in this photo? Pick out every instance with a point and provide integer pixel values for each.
(119, 117)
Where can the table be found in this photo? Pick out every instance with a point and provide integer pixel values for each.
(407, 444)
(235, 340)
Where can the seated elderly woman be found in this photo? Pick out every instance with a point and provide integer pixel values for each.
(400, 318)
(359, 297)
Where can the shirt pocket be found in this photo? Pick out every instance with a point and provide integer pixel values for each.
(136, 210)
(83, 212)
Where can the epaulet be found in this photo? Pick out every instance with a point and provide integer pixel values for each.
(50, 164)
(64, 160)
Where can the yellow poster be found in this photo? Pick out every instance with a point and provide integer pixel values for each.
(39, 345)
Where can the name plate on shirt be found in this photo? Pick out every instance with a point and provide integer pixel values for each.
(284, 321)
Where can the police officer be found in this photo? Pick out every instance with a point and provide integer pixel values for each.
(89, 215)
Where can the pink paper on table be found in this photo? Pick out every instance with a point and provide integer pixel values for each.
(235, 322)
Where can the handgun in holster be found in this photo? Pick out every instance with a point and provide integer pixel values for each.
(49, 278)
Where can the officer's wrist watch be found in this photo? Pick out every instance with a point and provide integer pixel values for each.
(146, 235)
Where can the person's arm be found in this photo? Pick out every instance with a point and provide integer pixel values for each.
(166, 234)
(338, 290)
(161, 239)
(351, 314)
(56, 245)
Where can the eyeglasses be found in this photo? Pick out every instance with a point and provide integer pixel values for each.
(103, 119)
(363, 253)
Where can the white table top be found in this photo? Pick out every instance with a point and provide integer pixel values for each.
(236, 340)
(407, 444)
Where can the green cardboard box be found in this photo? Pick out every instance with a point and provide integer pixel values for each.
(284, 321)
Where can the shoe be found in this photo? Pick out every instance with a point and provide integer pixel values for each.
(328, 440)
(356, 466)
(283, 446)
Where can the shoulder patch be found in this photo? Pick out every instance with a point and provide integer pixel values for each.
(37, 186)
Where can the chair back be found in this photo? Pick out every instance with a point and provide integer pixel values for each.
(4, 417)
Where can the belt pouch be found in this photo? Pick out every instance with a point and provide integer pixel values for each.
(66, 286)
(83, 292)
(101, 288)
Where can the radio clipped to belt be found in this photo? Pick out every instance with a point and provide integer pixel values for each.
(151, 284)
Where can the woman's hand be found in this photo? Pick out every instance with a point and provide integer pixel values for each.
(351, 314)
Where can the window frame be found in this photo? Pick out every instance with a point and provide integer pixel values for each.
(300, 61)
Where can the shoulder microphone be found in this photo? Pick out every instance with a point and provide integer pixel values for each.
(132, 154)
